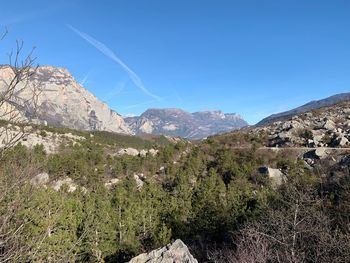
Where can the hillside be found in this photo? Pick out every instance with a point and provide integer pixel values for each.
(313, 105)
(113, 197)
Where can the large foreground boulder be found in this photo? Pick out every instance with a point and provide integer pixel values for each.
(176, 252)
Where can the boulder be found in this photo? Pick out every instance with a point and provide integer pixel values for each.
(128, 151)
(329, 125)
(111, 183)
(176, 252)
(341, 141)
(276, 175)
(143, 153)
(153, 152)
(72, 187)
(40, 179)
(321, 152)
(318, 153)
(139, 182)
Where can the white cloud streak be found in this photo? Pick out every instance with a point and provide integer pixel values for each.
(110, 54)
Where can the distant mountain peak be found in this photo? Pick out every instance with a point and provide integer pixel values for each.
(177, 122)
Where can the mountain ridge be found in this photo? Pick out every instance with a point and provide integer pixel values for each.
(312, 105)
(177, 122)
(63, 102)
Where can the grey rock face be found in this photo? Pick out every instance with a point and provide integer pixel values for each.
(176, 122)
(176, 252)
(64, 102)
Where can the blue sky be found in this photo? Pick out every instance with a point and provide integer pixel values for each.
(251, 57)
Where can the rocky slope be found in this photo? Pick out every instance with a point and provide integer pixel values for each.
(176, 252)
(326, 127)
(63, 102)
(176, 122)
(313, 105)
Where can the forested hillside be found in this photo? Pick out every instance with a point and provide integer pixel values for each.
(211, 195)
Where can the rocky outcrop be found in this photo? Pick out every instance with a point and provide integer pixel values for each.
(30, 137)
(328, 127)
(176, 122)
(40, 179)
(134, 152)
(176, 252)
(313, 105)
(62, 101)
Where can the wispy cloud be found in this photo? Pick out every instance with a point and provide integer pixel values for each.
(110, 54)
(116, 91)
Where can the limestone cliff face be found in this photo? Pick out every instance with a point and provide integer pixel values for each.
(64, 102)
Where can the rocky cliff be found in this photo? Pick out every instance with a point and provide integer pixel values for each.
(176, 122)
(62, 101)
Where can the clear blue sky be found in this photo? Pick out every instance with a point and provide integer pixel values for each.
(251, 57)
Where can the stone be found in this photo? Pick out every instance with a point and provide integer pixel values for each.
(72, 187)
(143, 153)
(321, 152)
(111, 183)
(341, 141)
(139, 182)
(276, 175)
(329, 125)
(176, 252)
(318, 153)
(153, 152)
(128, 151)
(40, 179)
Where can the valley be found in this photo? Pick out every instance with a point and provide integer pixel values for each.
(142, 131)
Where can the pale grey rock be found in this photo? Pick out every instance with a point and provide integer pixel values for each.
(128, 151)
(72, 186)
(153, 152)
(139, 182)
(329, 125)
(321, 152)
(341, 141)
(64, 102)
(143, 153)
(40, 179)
(30, 138)
(111, 183)
(176, 252)
(276, 176)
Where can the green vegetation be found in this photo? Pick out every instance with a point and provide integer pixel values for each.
(210, 195)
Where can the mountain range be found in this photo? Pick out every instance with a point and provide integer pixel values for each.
(176, 122)
(64, 102)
